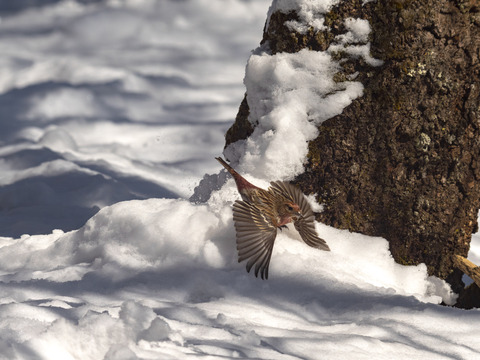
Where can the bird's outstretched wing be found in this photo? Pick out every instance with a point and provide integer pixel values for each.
(255, 237)
(305, 225)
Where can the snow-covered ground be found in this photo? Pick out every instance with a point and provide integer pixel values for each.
(115, 100)
(110, 113)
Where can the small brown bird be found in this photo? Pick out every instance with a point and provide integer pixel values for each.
(262, 212)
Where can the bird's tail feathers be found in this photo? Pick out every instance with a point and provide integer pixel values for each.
(242, 184)
(226, 166)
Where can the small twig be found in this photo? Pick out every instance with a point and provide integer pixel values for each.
(468, 267)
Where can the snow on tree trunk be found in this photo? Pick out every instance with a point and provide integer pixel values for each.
(402, 161)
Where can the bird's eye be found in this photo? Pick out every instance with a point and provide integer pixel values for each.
(289, 208)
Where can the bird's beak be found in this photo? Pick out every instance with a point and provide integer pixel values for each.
(299, 215)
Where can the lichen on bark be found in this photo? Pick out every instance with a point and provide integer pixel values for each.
(403, 161)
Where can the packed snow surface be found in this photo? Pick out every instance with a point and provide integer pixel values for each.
(112, 112)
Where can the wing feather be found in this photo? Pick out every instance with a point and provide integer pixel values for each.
(255, 237)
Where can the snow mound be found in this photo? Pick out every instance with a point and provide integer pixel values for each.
(159, 277)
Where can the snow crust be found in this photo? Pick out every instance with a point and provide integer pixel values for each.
(110, 133)
(310, 13)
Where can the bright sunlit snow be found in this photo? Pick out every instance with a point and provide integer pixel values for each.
(112, 112)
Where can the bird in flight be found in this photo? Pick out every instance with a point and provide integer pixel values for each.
(261, 212)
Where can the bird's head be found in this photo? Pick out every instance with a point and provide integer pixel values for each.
(293, 210)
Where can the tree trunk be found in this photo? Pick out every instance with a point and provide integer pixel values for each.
(401, 162)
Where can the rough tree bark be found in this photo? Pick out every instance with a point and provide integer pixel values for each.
(401, 162)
